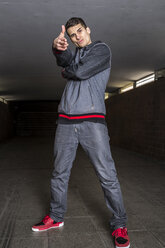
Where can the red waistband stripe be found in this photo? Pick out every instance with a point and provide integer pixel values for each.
(81, 117)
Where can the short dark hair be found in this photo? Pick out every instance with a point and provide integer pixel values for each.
(75, 21)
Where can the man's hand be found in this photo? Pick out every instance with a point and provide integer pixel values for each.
(60, 43)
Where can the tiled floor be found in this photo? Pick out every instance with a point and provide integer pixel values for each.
(25, 171)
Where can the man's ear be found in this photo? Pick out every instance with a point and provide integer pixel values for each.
(88, 30)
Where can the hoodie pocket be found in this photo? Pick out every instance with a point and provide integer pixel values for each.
(91, 96)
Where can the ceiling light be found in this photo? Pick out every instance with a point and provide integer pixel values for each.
(107, 95)
(3, 100)
(126, 88)
(145, 80)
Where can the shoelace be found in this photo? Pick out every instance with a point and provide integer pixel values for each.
(120, 232)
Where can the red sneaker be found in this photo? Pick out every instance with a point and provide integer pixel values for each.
(121, 238)
(46, 223)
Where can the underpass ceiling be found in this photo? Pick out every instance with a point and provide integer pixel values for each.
(134, 30)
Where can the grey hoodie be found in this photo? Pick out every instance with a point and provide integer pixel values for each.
(87, 71)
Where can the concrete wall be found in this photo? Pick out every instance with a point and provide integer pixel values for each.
(6, 128)
(34, 118)
(136, 119)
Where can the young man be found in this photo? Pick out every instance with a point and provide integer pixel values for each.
(82, 120)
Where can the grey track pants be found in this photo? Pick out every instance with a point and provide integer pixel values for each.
(94, 139)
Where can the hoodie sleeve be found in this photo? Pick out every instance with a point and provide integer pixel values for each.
(95, 61)
(63, 58)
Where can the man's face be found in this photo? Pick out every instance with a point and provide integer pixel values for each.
(79, 35)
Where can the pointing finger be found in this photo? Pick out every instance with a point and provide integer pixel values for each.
(62, 34)
(63, 30)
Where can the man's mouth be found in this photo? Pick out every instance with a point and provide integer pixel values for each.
(80, 41)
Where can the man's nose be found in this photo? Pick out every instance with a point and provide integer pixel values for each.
(77, 37)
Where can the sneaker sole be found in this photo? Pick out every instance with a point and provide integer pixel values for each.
(123, 247)
(38, 230)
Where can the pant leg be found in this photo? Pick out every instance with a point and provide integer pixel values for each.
(65, 147)
(95, 141)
